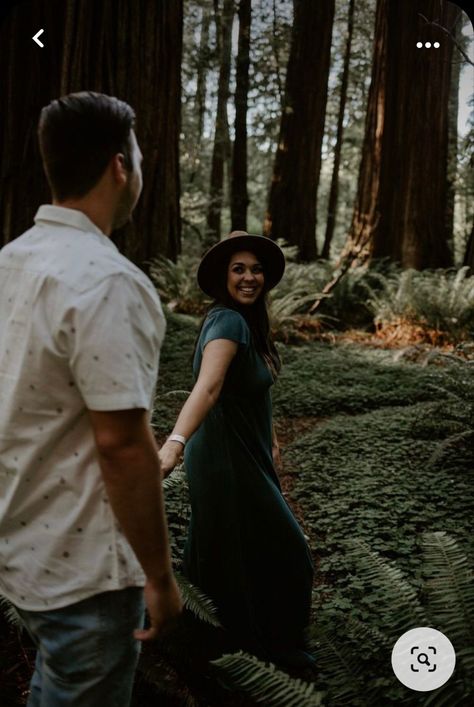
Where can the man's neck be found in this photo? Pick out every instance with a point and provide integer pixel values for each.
(92, 209)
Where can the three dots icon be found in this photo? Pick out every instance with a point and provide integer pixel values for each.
(428, 45)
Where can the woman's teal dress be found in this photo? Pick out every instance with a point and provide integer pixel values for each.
(245, 549)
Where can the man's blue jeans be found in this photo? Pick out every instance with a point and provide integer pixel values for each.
(86, 655)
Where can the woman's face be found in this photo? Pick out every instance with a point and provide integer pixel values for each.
(245, 279)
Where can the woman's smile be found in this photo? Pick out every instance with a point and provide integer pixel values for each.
(245, 278)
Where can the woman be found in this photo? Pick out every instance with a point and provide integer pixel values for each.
(244, 548)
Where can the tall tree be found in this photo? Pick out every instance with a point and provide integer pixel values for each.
(453, 111)
(221, 135)
(103, 47)
(333, 192)
(239, 194)
(400, 210)
(200, 97)
(291, 213)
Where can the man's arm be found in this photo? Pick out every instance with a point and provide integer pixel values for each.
(131, 472)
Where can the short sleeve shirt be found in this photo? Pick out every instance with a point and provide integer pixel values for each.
(80, 328)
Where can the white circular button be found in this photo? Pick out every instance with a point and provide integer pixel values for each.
(423, 659)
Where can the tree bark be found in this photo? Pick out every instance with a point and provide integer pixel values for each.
(333, 193)
(221, 139)
(134, 54)
(401, 203)
(200, 97)
(239, 194)
(291, 213)
(453, 110)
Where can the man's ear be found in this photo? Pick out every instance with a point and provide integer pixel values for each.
(119, 172)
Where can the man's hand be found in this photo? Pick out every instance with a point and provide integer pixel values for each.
(164, 603)
(169, 455)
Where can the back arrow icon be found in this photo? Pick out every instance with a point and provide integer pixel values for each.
(35, 38)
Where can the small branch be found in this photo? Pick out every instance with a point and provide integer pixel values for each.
(450, 34)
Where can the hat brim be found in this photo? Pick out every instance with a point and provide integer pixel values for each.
(267, 251)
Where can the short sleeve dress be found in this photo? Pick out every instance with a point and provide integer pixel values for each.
(245, 548)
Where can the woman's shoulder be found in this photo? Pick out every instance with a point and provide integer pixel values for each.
(228, 322)
(223, 313)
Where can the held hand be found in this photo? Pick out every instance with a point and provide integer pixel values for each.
(169, 455)
(164, 604)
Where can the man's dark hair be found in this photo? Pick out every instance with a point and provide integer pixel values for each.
(78, 136)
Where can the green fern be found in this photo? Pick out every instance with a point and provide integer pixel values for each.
(265, 684)
(338, 661)
(450, 591)
(176, 282)
(439, 299)
(196, 601)
(11, 614)
(398, 601)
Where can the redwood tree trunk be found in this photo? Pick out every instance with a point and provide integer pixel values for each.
(200, 97)
(291, 213)
(333, 193)
(239, 195)
(132, 53)
(401, 204)
(221, 135)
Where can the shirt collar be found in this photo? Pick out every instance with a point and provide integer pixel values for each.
(72, 218)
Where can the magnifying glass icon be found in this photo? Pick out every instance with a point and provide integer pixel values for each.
(425, 661)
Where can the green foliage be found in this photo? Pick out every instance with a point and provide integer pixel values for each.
(457, 414)
(196, 601)
(442, 300)
(354, 657)
(176, 282)
(449, 588)
(11, 614)
(175, 379)
(322, 380)
(265, 684)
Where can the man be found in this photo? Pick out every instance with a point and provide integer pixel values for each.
(82, 524)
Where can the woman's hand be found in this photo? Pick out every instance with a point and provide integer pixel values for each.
(169, 455)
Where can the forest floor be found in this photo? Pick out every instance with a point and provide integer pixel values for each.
(368, 455)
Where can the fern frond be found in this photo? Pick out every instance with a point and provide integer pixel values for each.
(449, 587)
(402, 608)
(11, 614)
(265, 684)
(447, 445)
(196, 601)
(339, 662)
(367, 635)
(176, 479)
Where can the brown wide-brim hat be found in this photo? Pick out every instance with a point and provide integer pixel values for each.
(216, 258)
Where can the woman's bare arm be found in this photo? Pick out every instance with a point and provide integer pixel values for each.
(216, 359)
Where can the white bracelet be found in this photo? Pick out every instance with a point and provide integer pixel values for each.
(177, 438)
